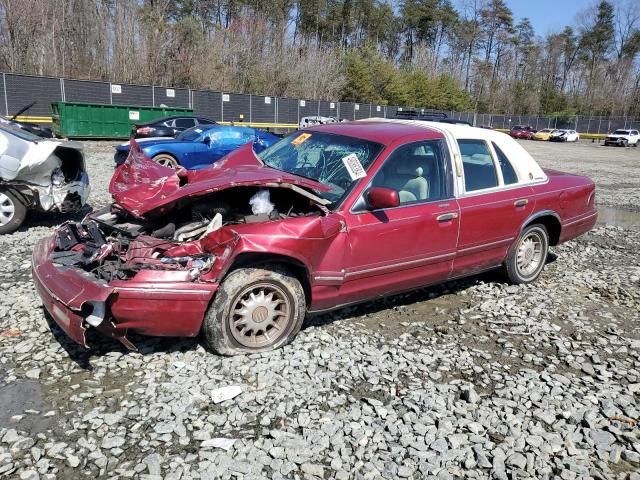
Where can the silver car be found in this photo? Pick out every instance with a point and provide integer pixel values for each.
(41, 174)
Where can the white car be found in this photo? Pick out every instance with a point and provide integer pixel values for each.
(40, 174)
(623, 138)
(306, 122)
(564, 135)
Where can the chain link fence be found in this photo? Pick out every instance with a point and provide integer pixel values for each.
(265, 111)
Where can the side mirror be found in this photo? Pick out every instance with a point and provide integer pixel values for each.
(382, 197)
(206, 140)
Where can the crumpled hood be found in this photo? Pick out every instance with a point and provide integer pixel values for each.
(21, 157)
(140, 185)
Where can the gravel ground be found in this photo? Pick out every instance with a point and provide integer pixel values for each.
(474, 379)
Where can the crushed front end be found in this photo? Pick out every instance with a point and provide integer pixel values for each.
(107, 273)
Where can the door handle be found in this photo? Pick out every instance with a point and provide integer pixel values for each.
(521, 203)
(445, 217)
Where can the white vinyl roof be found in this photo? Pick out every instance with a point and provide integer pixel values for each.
(525, 165)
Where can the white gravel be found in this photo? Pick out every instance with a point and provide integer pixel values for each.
(538, 381)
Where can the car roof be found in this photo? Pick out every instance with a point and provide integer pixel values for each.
(385, 131)
(521, 160)
(172, 117)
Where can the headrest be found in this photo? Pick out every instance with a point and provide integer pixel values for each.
(410, 166)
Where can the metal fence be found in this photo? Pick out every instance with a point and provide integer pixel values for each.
(263, 111)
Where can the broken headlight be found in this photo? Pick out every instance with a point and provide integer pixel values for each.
(57, 177)
(197, 265)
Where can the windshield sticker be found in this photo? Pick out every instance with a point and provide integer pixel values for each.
(300, 139)
(354, 167)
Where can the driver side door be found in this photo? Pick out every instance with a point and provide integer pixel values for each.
(410, 245)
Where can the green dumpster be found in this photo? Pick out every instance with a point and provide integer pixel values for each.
(94, 120)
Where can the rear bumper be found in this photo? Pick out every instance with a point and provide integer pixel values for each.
(159, 305)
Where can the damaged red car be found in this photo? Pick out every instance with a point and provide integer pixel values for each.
(326, 217)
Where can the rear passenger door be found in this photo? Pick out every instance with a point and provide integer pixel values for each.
(493, 206)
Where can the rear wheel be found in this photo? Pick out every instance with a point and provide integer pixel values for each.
(12, 212)
(528, 255)
(166, 160)
(255, 310)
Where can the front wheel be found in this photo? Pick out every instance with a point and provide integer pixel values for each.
(255, 310)
(166, 160)
(527, 257)
(12, 212)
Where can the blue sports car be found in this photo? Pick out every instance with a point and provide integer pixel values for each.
(200, 146)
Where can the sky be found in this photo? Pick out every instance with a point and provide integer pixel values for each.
(548, 15)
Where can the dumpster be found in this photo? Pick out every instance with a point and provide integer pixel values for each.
(94, 120)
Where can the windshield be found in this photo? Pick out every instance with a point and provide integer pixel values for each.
(190, 134)
(337, 161)
(24, 135)
(621, 132)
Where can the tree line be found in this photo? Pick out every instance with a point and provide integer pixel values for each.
(471, 55)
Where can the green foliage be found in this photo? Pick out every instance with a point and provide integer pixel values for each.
(372, 78)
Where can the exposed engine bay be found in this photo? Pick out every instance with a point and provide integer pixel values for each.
(114, 245)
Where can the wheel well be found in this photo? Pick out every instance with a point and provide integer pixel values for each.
(296, 267)
(553, 226)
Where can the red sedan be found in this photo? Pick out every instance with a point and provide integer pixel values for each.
(327, 217)
(522, 132)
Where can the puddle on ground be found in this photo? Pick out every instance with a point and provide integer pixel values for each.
(15, 398)
(618, 217)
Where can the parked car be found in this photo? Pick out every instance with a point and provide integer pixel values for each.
(199, 146)
(543, 134)
(38, 174)
(440, 117)
(623, 138)
(489, 127)
(522, 132)
(34, 128)
(330, 216)
(168, 126)
(563, 135)
(306, 122)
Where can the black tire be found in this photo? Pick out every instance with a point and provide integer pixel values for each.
(222, 330)
(166, 160)
(520, 253)
(12, 212)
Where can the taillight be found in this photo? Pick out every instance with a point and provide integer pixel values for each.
(144, 130)
(592, 199)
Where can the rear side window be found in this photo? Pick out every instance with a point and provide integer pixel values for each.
(204, 121)
(185, 122)
(479, 169)
(508, 173)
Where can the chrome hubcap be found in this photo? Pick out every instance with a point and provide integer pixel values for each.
(7, 209)
(259, 315)
(530, 254)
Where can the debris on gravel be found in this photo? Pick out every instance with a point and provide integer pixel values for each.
(531, 381)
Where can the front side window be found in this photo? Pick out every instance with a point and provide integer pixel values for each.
(417, 171)
(508, 173)
(479, 169)
(338, 161)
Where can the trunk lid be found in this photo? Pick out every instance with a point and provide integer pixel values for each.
(140, 185)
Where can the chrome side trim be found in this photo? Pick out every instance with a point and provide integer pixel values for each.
(486, 245)
(163, 290)
(580, 219)
(401, 264)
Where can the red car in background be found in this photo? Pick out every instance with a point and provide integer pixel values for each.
(330, 216)
(522, 132)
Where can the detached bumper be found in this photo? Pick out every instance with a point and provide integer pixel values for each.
(156, 305)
